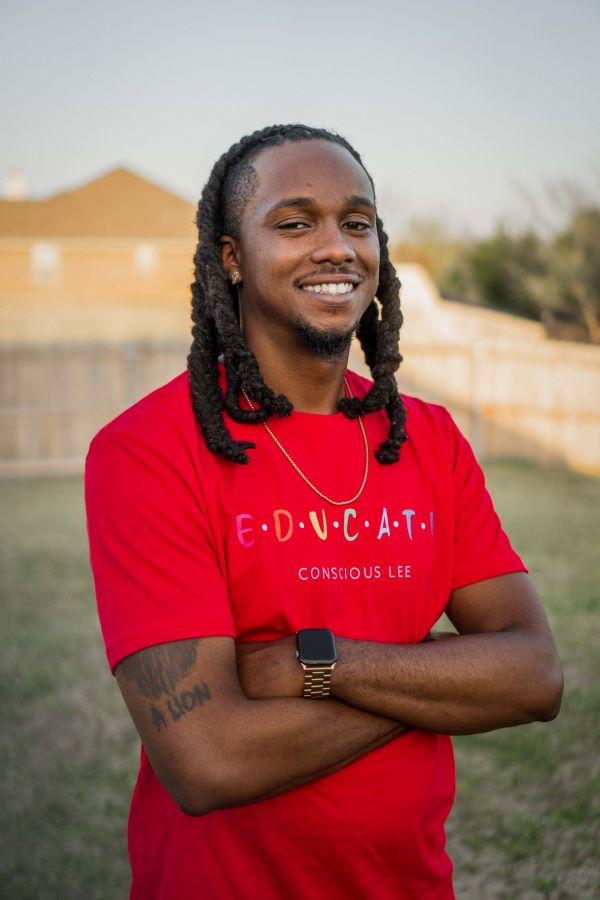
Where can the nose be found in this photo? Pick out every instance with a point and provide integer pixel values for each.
(332, 245)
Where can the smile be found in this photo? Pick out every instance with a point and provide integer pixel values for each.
(343, 287)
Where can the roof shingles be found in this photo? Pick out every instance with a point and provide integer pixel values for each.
(119, 204)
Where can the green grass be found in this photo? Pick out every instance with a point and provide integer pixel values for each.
(69, 752)
(526, 819)
(527, 816)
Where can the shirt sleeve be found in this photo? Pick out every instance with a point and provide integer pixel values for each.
(152, 555)
(481, 547)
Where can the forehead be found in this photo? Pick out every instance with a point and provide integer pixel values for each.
(318, 169)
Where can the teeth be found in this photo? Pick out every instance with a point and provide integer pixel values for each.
(329, 288)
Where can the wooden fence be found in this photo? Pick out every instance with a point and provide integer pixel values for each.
(539, 400)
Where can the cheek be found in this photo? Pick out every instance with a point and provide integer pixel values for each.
(371, 253)
(372, 263)
(264, 260)
(267, 279)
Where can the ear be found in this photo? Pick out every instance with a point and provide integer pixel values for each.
(230, 254)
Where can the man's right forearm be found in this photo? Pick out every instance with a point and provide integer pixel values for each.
(212, 746)
(273, 746)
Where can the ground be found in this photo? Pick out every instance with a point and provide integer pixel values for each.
(526, 819)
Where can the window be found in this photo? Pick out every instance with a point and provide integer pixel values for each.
(45, 263)
(146, 258)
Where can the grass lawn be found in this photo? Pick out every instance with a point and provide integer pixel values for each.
(527, 816)
(525, 824)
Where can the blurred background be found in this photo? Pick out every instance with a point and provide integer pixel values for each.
(479, 124)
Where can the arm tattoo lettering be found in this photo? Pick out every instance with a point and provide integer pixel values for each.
(179, 705)
(158, 670)
(158, 717)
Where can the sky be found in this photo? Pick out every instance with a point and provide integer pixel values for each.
(464, 111)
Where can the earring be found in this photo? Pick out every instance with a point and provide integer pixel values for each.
(235, 277)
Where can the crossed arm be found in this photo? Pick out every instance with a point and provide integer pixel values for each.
(225, 725)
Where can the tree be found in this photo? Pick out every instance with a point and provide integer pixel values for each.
(499, 272)
(545, 273)
(573, 281)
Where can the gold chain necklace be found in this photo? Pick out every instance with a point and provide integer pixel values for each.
(301, 473)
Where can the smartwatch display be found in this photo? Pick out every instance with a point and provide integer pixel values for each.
(315, 649)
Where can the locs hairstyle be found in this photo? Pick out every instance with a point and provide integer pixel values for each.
(215, 312)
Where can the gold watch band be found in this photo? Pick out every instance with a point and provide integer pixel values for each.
(317, 680)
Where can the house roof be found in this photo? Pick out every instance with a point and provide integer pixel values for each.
(117, 204)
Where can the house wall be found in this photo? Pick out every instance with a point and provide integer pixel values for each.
(112, 271)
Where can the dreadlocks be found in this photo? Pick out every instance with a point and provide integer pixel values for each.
(215, 312)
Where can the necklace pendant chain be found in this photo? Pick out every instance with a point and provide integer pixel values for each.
(299, 470)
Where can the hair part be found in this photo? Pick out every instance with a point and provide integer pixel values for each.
(215, 312)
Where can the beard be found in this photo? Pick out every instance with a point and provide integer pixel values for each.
(327, 344)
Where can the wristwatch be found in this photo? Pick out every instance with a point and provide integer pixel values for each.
(315, 649)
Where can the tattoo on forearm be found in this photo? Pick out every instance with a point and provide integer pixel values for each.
(180, 704)
(158, 717)
(158, 670)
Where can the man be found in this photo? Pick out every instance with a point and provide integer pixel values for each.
(273, 539)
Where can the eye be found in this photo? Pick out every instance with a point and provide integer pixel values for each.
(358, 225)
(293, 226)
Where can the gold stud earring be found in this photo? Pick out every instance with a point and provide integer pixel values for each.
(235, 277)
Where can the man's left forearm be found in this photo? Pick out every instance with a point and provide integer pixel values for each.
(501, 669)
(471, 683)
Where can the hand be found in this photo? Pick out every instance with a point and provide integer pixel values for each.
(269, 668)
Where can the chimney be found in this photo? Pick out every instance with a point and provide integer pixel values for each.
(15, 185)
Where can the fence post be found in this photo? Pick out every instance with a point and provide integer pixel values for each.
(131, 358)
(477, 369)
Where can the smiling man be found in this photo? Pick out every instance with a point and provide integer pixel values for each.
(273, 539)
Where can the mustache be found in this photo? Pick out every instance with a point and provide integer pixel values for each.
(331, 270)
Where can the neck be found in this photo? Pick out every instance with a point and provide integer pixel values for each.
(316, 391)
(312, 385)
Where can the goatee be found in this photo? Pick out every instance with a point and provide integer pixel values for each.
(329, 345)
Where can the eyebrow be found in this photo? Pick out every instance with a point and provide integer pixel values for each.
(358, 200)
(352, 200)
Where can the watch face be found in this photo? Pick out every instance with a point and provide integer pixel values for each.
(316, 646)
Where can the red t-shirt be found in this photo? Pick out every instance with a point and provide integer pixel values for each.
(186, 544)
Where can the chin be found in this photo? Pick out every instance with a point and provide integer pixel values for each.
(327, 343)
